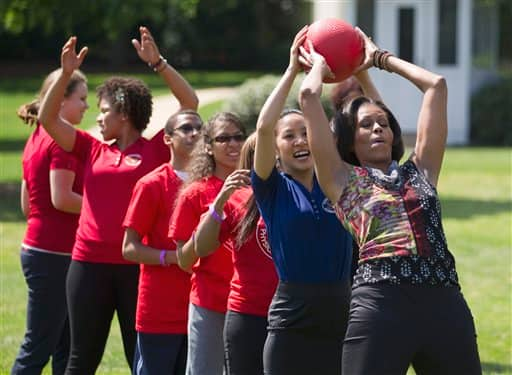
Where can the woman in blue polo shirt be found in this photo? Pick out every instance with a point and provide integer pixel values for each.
(312, 252)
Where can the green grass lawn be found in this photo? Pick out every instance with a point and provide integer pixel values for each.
(475, 188)
(476, 193)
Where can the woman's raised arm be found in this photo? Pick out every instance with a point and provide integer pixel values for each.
(432, 124)
(264, 155)
(148, 51)
(330, 169)
(59, 129)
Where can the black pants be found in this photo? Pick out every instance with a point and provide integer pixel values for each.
(391, 327)
(94, 292)
(244, 337)
(307, 323)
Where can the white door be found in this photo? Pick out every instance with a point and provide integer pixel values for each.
(412, 30)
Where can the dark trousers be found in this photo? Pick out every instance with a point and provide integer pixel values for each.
(94, 292)
(160, 353)
(391, 327)
(244, 338)
(47, 332)
(307, 324)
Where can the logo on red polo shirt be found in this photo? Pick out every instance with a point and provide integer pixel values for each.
(262, 238)
(133, 160)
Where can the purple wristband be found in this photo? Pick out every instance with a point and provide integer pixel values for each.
(215, 215)
(162, 258)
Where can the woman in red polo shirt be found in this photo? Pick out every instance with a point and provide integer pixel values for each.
(51, 197)
(215, 156)
(254, 279)
(99, 278)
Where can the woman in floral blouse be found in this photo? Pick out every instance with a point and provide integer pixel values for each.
(406, 305)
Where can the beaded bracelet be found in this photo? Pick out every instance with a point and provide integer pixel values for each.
(159, 65)
(380, 59)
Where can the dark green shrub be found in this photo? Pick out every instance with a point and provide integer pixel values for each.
(491, 114)
(250, 97)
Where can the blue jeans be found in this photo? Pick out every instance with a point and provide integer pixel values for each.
(160, 353)
(47, 333)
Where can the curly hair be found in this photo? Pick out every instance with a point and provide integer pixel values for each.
(202, 163)
(129, 96)
(345, 124)
(28, 112)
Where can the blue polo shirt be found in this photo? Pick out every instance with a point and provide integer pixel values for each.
(307, 240)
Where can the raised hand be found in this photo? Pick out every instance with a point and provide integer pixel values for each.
(237, 179)
(308, 59)
(298, 41)
(146, 48)
(69, 60)
(369, 50)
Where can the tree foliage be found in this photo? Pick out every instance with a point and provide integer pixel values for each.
(196, 33)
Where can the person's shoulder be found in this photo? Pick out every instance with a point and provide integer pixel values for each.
(155, 176)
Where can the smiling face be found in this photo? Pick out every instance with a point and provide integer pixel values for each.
(74, 105)
(373, 138)
(110, 121)
(227, 140)
(292, 145)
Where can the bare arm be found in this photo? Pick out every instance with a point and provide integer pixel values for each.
(361, 74)
(134, 250)
(149, 53)
(367, 85)
(61, 191)
(331, 170)
(432, 124)
(207, 233)
(24, 199)
(186, 254)
(264, 155)
(59, 129)
(432, 127)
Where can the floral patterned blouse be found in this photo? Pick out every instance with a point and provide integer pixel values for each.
(396, 221)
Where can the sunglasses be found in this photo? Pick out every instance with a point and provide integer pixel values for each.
(188, 128)
(227, 138)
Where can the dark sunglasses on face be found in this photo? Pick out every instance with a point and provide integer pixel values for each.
(227, 138)
(188, 128)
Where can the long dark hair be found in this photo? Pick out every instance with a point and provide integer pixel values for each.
(345, 124)
(248, 224)
(28, 112)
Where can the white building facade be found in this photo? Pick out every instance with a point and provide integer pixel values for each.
(435, 34)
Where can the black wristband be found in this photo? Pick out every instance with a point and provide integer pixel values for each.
(157, 67)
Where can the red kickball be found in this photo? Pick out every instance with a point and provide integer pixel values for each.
(339, 43)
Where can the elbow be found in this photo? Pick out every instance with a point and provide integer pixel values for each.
(306, 94)
(192, 103)
(439, 84)
(59, 202)
(129, 252)
(44, 118)
(184, 266)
